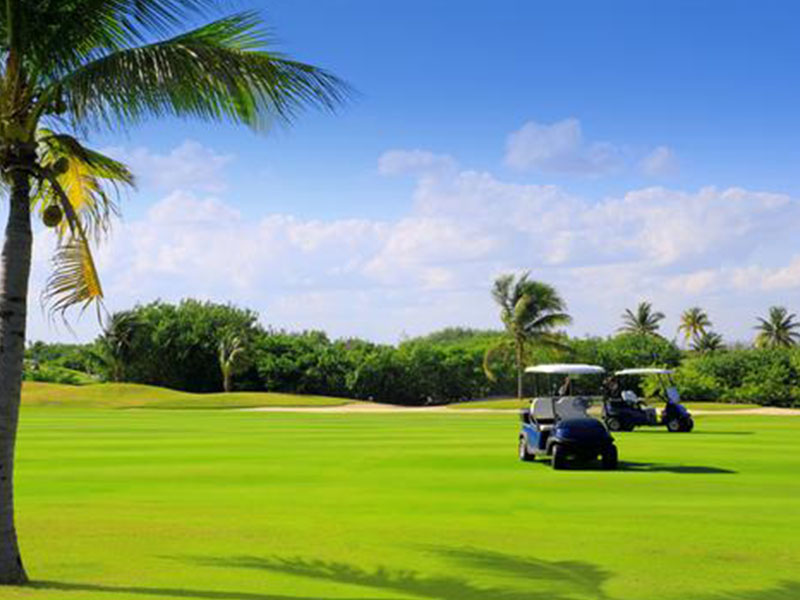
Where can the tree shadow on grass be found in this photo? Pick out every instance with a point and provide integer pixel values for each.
(786, 590)
(193, 594)
(538, 579)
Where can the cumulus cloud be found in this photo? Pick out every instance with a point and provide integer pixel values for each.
(189, 166)
(560, 148)
(433, 266)
(403, 162)
(661, 162)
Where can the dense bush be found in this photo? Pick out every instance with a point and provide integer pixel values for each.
(761, 376)
(625, 351)
(177, 346)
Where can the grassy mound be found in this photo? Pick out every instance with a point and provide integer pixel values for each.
(133, 395)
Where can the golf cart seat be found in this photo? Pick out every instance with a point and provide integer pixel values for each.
(543, 414)
(571, 408)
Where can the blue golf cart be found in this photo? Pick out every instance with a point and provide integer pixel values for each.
(623, 410)
(557, 424)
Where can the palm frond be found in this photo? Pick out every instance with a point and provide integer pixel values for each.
(502, 347)
(56, 36)
(75, 280)
(87, 181)
(213, 72)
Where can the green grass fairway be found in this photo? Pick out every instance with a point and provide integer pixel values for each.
(133, 395)
(226, 505)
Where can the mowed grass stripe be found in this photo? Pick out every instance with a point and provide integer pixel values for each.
(264, 506)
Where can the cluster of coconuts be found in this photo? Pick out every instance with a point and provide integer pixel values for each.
(52, 214)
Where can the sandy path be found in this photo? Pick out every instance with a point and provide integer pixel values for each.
(368, 408)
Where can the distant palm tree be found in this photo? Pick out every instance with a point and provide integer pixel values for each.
(778, 330)
(231, 349)
(530, 311)
(694, 323)
(707, 342)
(644, 321)
(115, 345)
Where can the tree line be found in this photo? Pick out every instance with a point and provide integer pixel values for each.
(208, 347)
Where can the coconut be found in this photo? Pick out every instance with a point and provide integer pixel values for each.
(61, 166)
(52, 215)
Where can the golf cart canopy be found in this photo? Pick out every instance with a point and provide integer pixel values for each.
(566, 369)
(645, 371)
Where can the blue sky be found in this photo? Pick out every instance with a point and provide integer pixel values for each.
(645, 150)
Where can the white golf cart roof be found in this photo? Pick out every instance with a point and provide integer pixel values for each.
(566, 369)
(645, 371)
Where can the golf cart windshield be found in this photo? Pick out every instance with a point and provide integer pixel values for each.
(630, 381)
(566, 380)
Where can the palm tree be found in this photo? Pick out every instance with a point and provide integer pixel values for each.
(694, 323)
(530, 311)
(231, 349)
(778, 330)
(644, 321)
(115, 345)
(77, 65)
(707, 343)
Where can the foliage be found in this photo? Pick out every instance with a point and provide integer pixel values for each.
(643, 321)
(530, 312)
(761, 376)
(52, 373)
(778, 330)
(174, 346)
(708, 342)
(694, 324)
(625, 351)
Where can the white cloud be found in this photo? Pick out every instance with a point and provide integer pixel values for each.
(433, 266)
(661, 162)
(189, 166)
(560, 148)
(402, 162)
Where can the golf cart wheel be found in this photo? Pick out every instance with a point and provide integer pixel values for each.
(559, 458)
(524, 455)
(688, 425)
(613, 424)
(674, 425)
(629, 427)
(610, 458)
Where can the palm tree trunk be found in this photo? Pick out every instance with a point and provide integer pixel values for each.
(227, 382)
(518, 357)
(15, 265)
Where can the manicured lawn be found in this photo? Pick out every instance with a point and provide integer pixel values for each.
(132, 395)
(233, 505)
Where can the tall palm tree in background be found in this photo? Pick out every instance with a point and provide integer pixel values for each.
(707, 343)
(778, 330)
(530, 311)
(694, 324)
(76, 65)
(643, 321)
